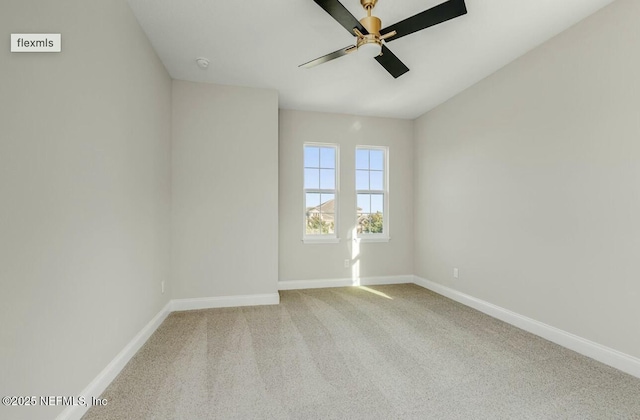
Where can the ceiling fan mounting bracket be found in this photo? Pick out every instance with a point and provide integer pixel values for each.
(368, 4)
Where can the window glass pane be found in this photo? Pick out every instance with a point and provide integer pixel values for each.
(328, 223)
(314, 214)
(363, 223)
(377, 159)
(376, 223)
(377, 203)
(327, 179)
(362, 159)
(311, 157)
(362, 180)
(312, 200)
(327, 157)
(313, 224)
(328, 203)
(364, 203)
(377, 182)
(311, 178)
(320, 224)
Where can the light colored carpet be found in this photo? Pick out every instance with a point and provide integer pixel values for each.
(384, 352)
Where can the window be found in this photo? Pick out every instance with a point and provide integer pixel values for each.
(320, 192)
(372, 192)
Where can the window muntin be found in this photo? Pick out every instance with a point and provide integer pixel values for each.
(372, 192)
(320, 191)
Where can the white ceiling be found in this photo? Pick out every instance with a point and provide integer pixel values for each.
(261, 43)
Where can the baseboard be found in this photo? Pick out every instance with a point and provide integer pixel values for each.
(225, 302)
(606, 355)
(108, 374)
(344, 282)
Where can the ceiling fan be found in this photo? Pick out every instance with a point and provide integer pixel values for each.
(371, 39)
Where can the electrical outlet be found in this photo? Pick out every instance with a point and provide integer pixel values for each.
(162, 286)
(347, 264)
(456, 273)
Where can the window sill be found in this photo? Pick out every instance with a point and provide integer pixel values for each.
(320, 240)
(373, 239)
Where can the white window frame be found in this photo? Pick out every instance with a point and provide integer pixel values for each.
(321, 238)
(375, 237)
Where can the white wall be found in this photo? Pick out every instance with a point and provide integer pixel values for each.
(299, 261)
(224, 190)
(529, 182)
(84, 195)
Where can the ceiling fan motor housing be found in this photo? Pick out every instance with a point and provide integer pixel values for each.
(372, 24)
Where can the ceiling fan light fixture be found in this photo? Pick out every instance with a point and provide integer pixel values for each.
(369, 47)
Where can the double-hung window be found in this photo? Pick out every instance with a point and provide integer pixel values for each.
(372, 193)
(320, 192)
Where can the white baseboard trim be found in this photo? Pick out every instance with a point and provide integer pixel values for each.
(344, 282)
(225, 302)
(606, 355)
(108, 374)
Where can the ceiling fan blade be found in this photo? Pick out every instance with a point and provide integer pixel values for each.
(441, 13)
(329, 57)
(391, 63)
(342, 15)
